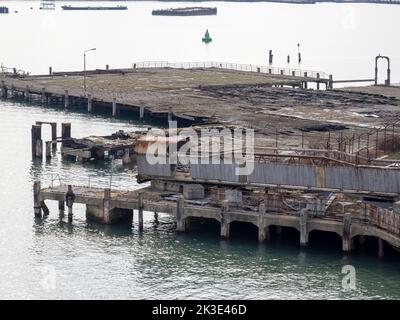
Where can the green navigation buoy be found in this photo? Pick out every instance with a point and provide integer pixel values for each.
(206, 38)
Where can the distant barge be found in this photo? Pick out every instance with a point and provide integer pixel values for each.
(3, 10)
(189, 11)
(95, 8)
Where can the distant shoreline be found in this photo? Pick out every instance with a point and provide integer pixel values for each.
(248, 1)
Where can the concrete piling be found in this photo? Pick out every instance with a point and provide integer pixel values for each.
(141, 112)
(303, 228)
(65, 132)
(317, 81)
(225, 223)
(43, 96)
(89, 103)
(36, 199)
(48, 149)
(26, 94)
(61, 206)
(263, 231)
(107, 205)
(66, 99)
(36, 138)
(140, 211)
(180, 211)
(114, 107)
(346, 237)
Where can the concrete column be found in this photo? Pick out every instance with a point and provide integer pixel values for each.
(69, 199)
(381, 248)
(317, 81)
(12, 91)
(303, 228)
(225, 223)
(39, 149)
(170, 114)
(36, 199)
(36, 135)
(180, 214)
(48, 149)
(43, 96)
(65, 132)
(330, 82)
(3, 90)
(107, 206)
(114, 107)
(61, 206)
(26, 94)
(50, 71)
(54, 135)
(263, 231)
(66, 99)
(347, 238)
(140, 209)
(141, 112)
(89, 103)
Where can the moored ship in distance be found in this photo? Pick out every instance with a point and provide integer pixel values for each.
(94, 8)
(4, 10)
(188, 11)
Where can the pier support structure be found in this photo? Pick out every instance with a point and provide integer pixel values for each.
(65, 132)
(347, 237)
(36, 199)
(263, 229)
(303, 228)
(225, 223)
(66, 99)
(89, 103)
(114, 107)
(4, 92)
(180, 215)
(69, 200)
(37, 143)
(140, 211)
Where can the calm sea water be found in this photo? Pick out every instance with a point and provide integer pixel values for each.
(82, 260)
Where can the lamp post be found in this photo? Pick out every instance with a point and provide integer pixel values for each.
(84, 67)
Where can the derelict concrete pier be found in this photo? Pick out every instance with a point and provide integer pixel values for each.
(109, 206)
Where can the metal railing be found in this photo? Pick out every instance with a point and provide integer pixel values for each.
(232, 66)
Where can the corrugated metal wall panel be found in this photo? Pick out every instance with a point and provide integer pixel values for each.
(160, 170)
